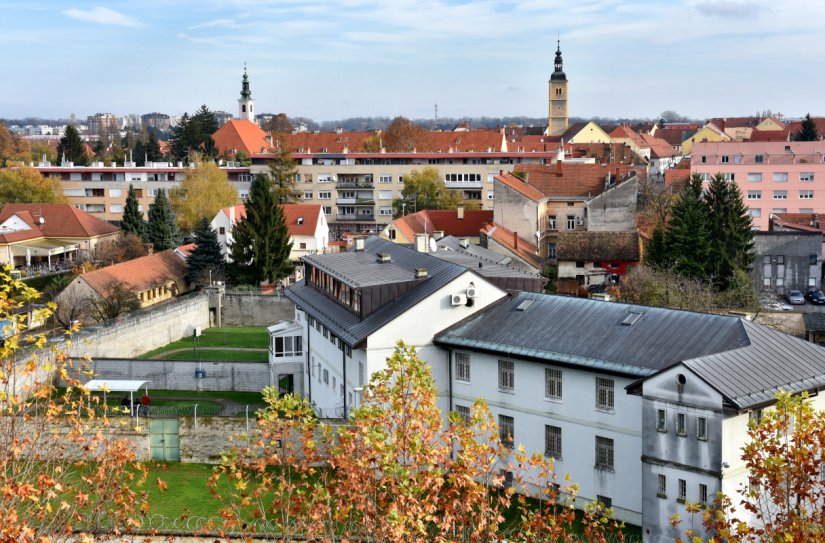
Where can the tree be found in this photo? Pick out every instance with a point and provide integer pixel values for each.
(118, 301)
(404, 136)
(24, 185)
(730, 231)
(12, 148)
(283, 172)
(656, 253)
(179, 140)
(279, 123)
(203, 192)
(394, 473)
(127, 247)
(670, 116)
(72, 147)
(808, 130)
(373, 143)
(162, 229)
(132, 221)
(424, 189)
(63, 469)
(260, 248)
(206, 262)
(687, 236)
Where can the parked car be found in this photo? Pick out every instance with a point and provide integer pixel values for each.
(815, 297)
(796, 298)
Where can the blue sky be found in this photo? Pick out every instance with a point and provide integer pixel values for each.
(330, 59)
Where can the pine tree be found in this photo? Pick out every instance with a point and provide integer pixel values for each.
(730, 231)
(162, 229)
(687, 244)
(656, 252)
(260, 248)
(206, 261)
(71, 146)
(808, 130)
(132, 221)
(283, 172)
(153, 152)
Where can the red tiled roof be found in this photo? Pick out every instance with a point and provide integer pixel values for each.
(240, 136)
(674, 136)
(523, 249)
(771, 135)
(809, 222)
(478, 141)
(139, 274)
(735, 122)
(575, 179)
(186, 250)
(520, 186)
(333, 142)
(311, 214)
(59, 221)
(445, 220)
(659, 148)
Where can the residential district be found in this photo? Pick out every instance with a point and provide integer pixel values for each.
(521, 282)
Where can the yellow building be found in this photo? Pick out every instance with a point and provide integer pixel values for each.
(557, 114)
(590, 132)
(709, 132)
(770, 123)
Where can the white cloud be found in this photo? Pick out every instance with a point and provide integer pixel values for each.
(102, 16)
(193, 39)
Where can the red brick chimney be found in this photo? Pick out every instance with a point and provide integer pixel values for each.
(515, 240)
(558, 167)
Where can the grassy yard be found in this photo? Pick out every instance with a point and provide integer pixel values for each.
(255, 337)
(219, 355)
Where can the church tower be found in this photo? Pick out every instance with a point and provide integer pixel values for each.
(557, 115)
(246, 105)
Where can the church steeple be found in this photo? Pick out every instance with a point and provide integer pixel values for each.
(246, 105)
(557, 107)
(558, 74)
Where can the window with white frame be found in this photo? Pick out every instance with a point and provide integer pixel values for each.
(385, 195)
(464, 412)
(462, 367)
(780, 195)
(325, 178)
(661, 492)
(326, 376)
(755, 212)
(551, 250)
(661, 420)
(759, 159)
(552, 442)
(754, 195)
(702, 428)
(327, 210)
(506, 430)
(780, 176)
(682, 490)
(571, 222)
(552, 384)
(604, 453)
(806, 195)
(115, 193)
(725, 159)
(385, 178)
(681, 424)
(491, 177)
(324, 194)
(506, 375)
(551, 222)
(703, 493)
(287, 346)
(779, 210)
(604, 393)
(754, 177)
(806, 176)
(385, 211)
(727, 176)
(307, 195)
(116, 208)
(491, 195)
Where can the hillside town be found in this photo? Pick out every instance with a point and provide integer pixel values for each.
(638, 304)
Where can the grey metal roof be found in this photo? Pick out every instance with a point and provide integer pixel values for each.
(814, 322)
(590, 333)
(452, 243)
(361, 268)
(343, 322)
(488, 268)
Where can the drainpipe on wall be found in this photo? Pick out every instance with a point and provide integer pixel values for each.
(344, 363)
(309, 360)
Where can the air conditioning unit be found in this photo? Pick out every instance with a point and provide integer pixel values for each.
(471, 292)
(458, 299)
(579, 221)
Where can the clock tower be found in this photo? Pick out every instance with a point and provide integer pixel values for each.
(557, 114)
(246, 105)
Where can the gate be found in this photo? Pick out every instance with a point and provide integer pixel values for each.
(163, 440)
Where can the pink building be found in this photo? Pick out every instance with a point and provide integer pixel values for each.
(774, 176)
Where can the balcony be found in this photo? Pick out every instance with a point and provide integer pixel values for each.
(350, 217)
(354, 184)
(356, 201)
(464, 184)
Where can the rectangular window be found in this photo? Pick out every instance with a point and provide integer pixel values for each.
(506, 430)
(307, 195)
(759, 159)
(327, 210)
(462, 367)
(703, 159)
(361, 375)
(725, 159)
(464, 412)
(703, 493)
(806, 176)
(682, 490)
(755, 212)
(604, 453)
(813, 259)
(116, 208)
(681, 424)
(491, 195)
(491, 177)
(385, 195)
(606, 502)
(288, 346)
(780, 195)
(780, 176)
(755, 416)
(552, 383)
(661, 420)
(702, 428)
(506, 375)
(551, 250)
(604, 393)
(114, 193)
(754, 177)
(324, 194)
(754, 195)
(552, 442)
(385, 211)
(551, 222)
(662, 490)
(806, 195)
(571, 222)
(779, 210)
(385, 178)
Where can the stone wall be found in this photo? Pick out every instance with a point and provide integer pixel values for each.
(142, 331)
(180, 374)
(614, 210)
(253, 309)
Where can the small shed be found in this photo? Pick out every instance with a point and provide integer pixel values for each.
(118, 385)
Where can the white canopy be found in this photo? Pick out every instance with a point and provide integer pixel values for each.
(114, 385)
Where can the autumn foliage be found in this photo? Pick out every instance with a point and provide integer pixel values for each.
(62, 474)
(395, 472)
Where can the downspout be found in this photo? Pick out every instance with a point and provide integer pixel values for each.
(344, 364)
(309, 361)
(450, 376)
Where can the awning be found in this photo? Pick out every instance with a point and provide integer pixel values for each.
(114, 385)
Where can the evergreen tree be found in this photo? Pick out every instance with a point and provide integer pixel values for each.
(687, 242)
(207, 260)
(656, 253)
(283, 172)
(132, 221)
(194, 134)
(152, 148)
(72, 147)
(730, 231)
(808, 131)
(179, 144)
(260, 248)
(162, 229)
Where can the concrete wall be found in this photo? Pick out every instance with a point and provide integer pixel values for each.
(796, 272)
(614, 210)
(142, 331)
(180, 374)
(515, 212)
(256, 309)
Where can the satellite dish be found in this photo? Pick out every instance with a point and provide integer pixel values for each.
(433, 245)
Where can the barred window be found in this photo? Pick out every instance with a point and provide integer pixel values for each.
(552, 442)
(464, 412)
(662, 491)
(506, 429)
(682, 490)
(604, 453)
(703, 493)
(604, 393)
(702, 428)
(506, 375)
(462, 367)
(552, 383)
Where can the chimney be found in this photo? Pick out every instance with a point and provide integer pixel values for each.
(459, 213)
(383, 257)
(816, 220)
(558, 168)
(464, 242)
(149, 248)
(515, 240)
(421, 243)
(438, 234)
(420, 273)
(359, 244)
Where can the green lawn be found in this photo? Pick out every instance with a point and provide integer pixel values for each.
(226, 336)
(226, 356)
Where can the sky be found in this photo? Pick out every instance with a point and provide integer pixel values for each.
(333, 59)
